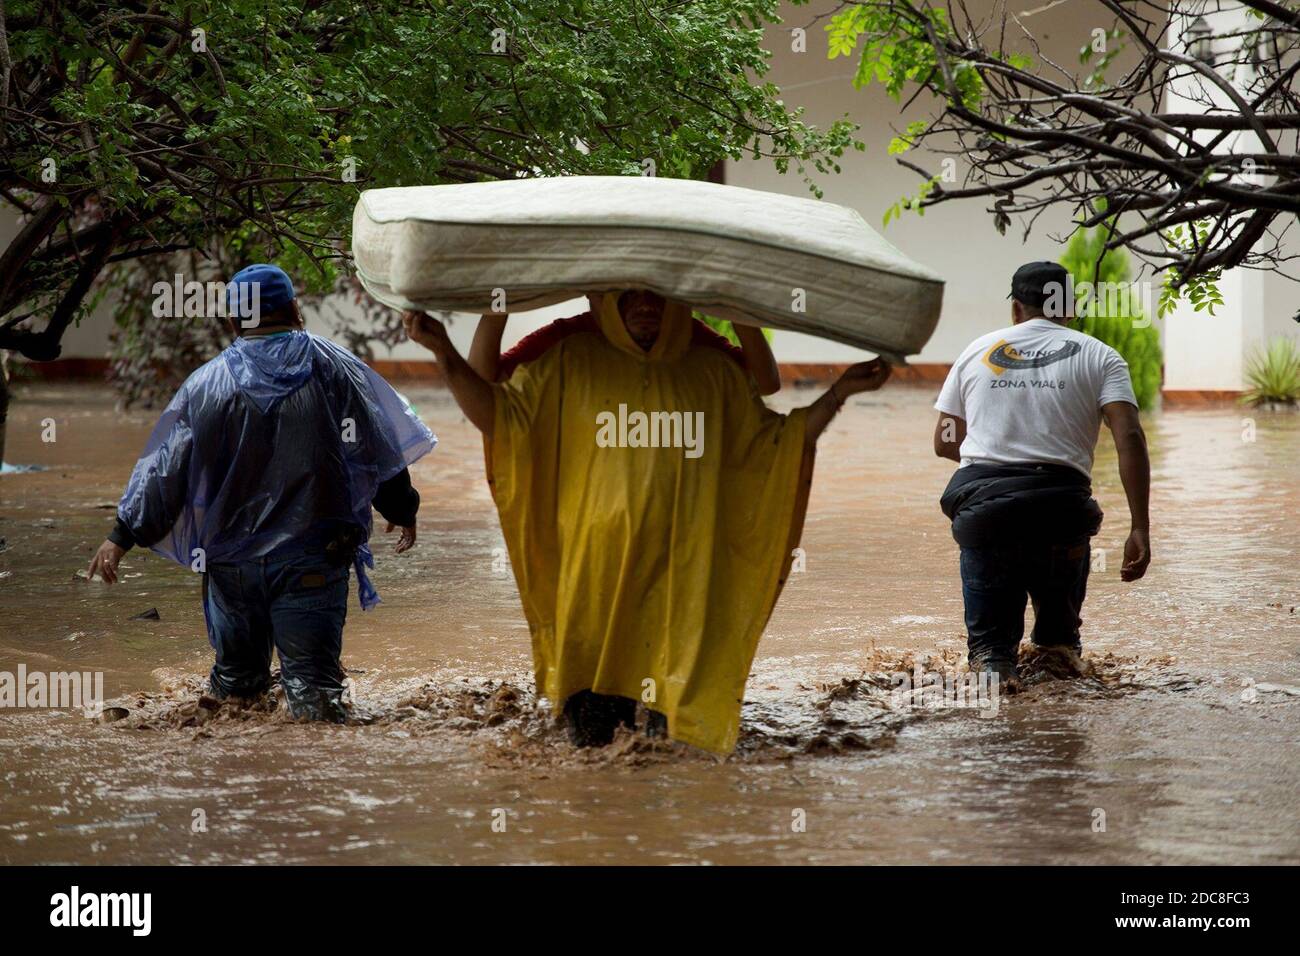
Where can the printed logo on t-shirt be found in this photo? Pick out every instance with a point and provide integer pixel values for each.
(1004, 356)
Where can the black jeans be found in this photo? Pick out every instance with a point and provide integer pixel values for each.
(995, 582)
(296, 603)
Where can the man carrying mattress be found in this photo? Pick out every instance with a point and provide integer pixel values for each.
(650, 502)
(1020, 412)
(485, 356)
(261, 474)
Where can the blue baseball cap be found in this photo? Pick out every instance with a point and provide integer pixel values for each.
(265, 286)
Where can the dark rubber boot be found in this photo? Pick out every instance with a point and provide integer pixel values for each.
(1008, 676)
(222, 688)
(1003, 667)
(592, 719)
(316, 703)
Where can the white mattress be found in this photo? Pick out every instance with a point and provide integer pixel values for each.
(731, 252)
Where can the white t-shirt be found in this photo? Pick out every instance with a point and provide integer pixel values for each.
(1032, 394)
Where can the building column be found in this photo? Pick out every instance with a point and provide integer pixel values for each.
(1208, 353)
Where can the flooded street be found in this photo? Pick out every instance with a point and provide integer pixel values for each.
(1180, 745)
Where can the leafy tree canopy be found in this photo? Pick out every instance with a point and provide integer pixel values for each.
(141, 139)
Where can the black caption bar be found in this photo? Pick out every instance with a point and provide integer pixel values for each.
(139, 906)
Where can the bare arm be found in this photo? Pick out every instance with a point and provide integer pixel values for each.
(759, 358)
(949, 433)
(472, 393)
(1135, 474)
(485, 350)
(863, 377)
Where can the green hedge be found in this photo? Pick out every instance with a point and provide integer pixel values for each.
(1129, 331)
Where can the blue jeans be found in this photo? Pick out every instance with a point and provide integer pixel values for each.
(995, 582)
(295, 602)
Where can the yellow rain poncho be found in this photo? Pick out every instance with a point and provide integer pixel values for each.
(649, 549)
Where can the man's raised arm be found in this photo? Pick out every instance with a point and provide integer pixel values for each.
(1135, 473)
(472, 394)
(485, 350)
(759, 358)
(863, 377)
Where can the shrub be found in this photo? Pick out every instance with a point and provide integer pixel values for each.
(1123, 325)
(1273, 373)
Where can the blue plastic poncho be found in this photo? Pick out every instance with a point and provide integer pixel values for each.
(273, 441)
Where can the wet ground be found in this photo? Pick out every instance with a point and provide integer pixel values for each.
(1176, 741)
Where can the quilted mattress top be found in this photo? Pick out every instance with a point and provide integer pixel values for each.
(744, 254)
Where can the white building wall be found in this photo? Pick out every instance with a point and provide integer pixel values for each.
(956, 239)
(1204, 352)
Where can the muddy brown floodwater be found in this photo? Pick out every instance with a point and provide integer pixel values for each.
(1181, 737)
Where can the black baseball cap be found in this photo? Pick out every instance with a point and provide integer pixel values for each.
(1034, 282)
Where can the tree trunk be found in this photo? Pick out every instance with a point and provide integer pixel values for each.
(4, 401)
